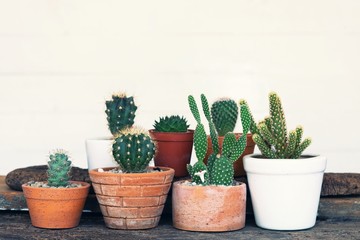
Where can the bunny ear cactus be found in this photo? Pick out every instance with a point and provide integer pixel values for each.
(133, 150)
(271, 135)
(120, 111)
(220, 169)
(224, 114)
(59, 166)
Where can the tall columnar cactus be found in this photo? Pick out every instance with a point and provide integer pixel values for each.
(224, 114)
(133, 150)
(59, 166)
(120, 111)
(271, 135)
(219, 170)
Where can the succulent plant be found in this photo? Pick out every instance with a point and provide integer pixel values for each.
(219, 170)
(120, 111)
(133, 150)
(173, 123)
(224, 114)
(271, 134)
(59, 166)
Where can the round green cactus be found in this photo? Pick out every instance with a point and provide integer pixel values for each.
(173, 123)
(59, 166)
(133, 150)
(120, 111)
(224, 114)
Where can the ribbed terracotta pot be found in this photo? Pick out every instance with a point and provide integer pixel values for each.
(208, 208)
(173, 150)
(238, 164)
(56, 208)
(131, 200)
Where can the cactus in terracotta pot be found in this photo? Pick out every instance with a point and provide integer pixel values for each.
(59, 167)
(224, 114)
(120, 111)
(174, 123)
(271, 134)
(219, 170)
(133, 150)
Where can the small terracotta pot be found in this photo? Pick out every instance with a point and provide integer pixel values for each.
(238, 164)
(208, 208)
(56, 208)
(131, 200)
(173, 150)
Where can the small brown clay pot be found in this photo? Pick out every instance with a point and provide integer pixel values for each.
(131, 200)
(56, 208)
(238, 164)
(208, 208)
(173, 150)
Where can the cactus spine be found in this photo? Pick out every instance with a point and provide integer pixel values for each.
(220, 169)
(271, 135)
(224, 114)
(133, 150)
(59, 166)
(120, 111)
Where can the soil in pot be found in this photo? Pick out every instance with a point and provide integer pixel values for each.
(173, 150)
(238, 164)
(56, 208)
(132, 200)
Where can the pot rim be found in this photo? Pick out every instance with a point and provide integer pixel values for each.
(238, 185)
(310, 163)
(164, 172)
(83, 185)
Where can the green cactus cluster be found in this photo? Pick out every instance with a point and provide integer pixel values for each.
(174, 123)
(120, 111)
(224, 114)
(271, 134)
(219, 170)
(59, 166)
(133, 150)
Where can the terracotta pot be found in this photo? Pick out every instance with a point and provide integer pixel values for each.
(208, 208)
(131, 200)
(173, 150)
(285, 193)
(238, 164)
(56, 207)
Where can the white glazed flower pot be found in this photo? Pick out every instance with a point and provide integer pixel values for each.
(285, 193)
(99, 153)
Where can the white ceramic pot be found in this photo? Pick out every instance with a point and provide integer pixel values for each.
(285, 193)
(99, 153)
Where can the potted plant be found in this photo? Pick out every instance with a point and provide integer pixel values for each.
(224, 114)
(133, 195)
(120, 111)
(212, 201)
(173, 142)
(57, 203)
(284, 184)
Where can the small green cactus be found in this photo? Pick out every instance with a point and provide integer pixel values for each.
(224, 114)
(271, 135)
(59, 166)
(173, 123)
(133, 150)
(219, 170)
(120, 111)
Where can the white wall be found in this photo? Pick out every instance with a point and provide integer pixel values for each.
(60, 60)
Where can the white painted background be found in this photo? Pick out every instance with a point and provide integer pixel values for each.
(60, 60)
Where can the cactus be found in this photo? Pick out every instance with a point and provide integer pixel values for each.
(224, 114)
(219, 170)
(120, 111)
(271, 135)
(59, 166)
(133, 150)
(173, 123)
